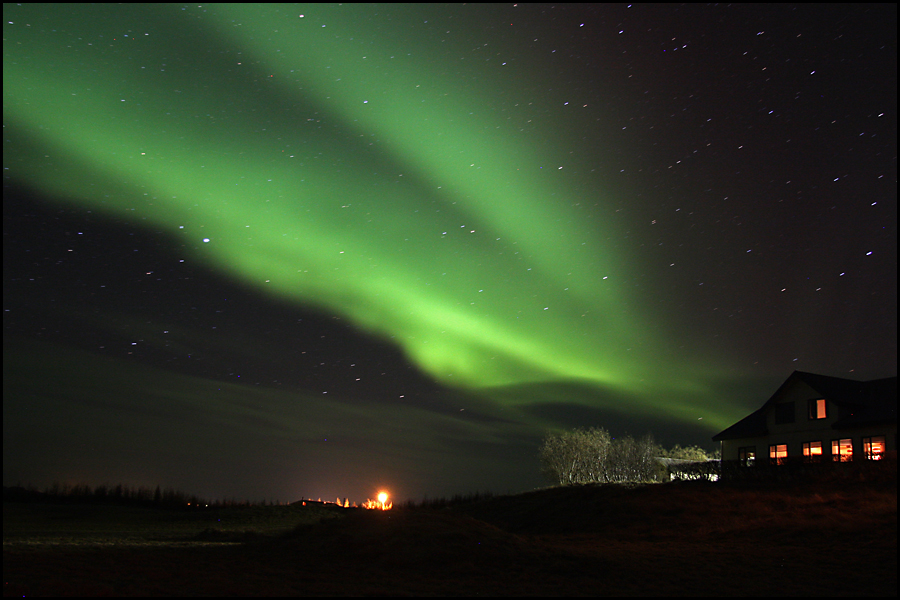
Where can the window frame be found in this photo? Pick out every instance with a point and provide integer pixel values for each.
(868, 454)
(747, 456)
(785, 413)
(774, 458)
(816, 407)
(839, 456)
(809, 456)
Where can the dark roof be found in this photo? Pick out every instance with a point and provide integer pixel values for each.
(879, 406)
(753, 425)
(862, 403)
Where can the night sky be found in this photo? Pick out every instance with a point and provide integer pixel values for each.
(278, 251)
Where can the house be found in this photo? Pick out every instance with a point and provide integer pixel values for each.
(814, 419)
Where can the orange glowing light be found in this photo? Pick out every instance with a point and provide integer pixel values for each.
(381, 503)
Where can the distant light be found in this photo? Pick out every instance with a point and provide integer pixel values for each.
(205, 240)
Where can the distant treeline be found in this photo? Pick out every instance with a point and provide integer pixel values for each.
(455, 500)
(123, 495)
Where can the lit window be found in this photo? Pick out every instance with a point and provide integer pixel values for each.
(842, 450)
(747, 456)
(778, 454)
(812, 451)
(817, 409)
(873, 447)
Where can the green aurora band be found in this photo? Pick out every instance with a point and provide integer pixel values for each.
(359, 168)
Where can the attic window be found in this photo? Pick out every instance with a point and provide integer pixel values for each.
(784, 412)
(873, 447)
(817, 409)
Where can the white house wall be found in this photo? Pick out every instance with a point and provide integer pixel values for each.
(730, 447)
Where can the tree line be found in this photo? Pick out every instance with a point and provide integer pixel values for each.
(592, 455)
(119, 494)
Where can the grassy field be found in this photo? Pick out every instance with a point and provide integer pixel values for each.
(68, 524)
(662, 539)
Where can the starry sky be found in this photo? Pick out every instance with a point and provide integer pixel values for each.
(283, 251)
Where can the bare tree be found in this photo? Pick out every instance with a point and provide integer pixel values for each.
(592, 455)
(559, 457)
(575, 456)
(631, 460)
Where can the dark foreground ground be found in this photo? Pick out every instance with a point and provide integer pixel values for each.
(659, 540)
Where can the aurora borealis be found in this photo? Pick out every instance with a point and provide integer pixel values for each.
(463, 261)
(429, 233)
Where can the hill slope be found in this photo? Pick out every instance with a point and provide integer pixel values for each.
(664, 539)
